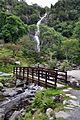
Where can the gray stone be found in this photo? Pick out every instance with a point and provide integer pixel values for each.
(69, 107)
(20, 82)
(15, 115)
(19, 90)
(49, 112)
(7, 84)
(10, 92)
(58, 98)
(35, 87)
(62, 114)
(71, 102)
(67, 90)
(1, 85)
(1, 116)
(71, 96)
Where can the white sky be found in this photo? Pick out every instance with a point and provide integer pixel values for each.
(42, 2)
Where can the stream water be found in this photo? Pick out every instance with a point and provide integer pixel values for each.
(15, 99)
(36, 37)
(4, 74)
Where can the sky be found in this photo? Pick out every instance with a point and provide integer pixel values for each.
(42, 3)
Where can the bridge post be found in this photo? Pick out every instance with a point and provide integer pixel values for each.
(23, 73)
(19, 72)
(66, 77)
(27, 75)
(38, 77)
(16, 73)
(32, 75)
(46, 79)
(56, 74)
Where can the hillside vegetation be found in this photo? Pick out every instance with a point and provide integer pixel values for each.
(59, 36)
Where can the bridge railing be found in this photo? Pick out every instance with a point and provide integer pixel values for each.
(41, 76)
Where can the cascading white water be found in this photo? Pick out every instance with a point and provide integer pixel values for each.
(36, 37)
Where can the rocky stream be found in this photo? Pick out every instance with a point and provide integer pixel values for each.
(14, 100)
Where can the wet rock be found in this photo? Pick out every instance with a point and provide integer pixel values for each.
(15, 115)
(20, 82)
(19, 90)
(15, 101)
(9, 92)
(35, 87)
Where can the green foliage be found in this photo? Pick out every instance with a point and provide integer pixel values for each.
(13, 29)
(62, 20)
(28, 13)
(28, 116)
(63, 16)
(40, 116)
(65, 65)
(71, 49)
(43, 99)
(77, 30)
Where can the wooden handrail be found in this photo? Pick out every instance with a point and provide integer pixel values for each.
(40, 75)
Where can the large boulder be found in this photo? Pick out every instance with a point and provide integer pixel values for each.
(73, 82)
(10, 92)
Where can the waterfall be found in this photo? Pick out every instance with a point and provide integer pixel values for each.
(36, 37)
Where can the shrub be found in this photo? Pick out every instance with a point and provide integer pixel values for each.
(65, 65)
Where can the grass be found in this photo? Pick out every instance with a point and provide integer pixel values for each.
(5, 52)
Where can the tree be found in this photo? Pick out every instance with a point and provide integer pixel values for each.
(13, 29)
(77, 30)
(71, 49)
(28, 48)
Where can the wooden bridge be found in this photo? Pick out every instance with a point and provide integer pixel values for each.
(41, 76)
